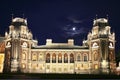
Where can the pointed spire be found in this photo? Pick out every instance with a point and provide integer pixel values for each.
(96, 16)
(23, 16)
(96, 20)
(107, 16)
(12, 15)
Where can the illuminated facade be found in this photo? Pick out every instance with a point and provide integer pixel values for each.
(22, 54)
(2, 49)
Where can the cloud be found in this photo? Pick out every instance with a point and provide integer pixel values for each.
(69, 32)
(74, 19)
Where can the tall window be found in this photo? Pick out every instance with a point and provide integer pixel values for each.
(23, 56)
(34, 57)
(85, 57)
(59, 58)
(111, 56)
(48, 58)
(40, 56)
(78, 57)
(95, 56)
(71, 58)
(65, 58)
(54, 58)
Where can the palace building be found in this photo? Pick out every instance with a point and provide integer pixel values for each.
(23, 54)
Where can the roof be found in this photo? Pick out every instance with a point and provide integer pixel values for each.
(65, 46)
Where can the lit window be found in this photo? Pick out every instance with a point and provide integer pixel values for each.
(59, 58)
(48, 58)
(95, 56)
(24, 56)
(40, 57)
(23, 65)
(96, 66)
(65, 58)
(71, 58)
(34, 57)
(54, 58)
(1, 58)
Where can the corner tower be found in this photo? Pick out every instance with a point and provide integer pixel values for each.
(102, 46)
(17, 45)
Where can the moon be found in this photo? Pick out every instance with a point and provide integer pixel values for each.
(73, 28)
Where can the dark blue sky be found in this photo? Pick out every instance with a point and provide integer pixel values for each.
(52, 18)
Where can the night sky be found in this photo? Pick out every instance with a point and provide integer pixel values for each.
(61, 19)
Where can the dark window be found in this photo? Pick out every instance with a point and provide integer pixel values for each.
(85, 57)
(71, 58)
(48, 58)
(78, 57)
(65, 58)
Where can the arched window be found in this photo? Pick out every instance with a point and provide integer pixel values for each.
(23, 56)
(85, 57)
(65, 58)
(78, 57)
(54, 58)
(8, 55)
(59, 58)
(34, 57)
(95, 45)
(71, 58)
(110, 56)
(48, 58)
(40, 56)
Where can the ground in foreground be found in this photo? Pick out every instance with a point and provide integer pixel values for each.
(57, 76)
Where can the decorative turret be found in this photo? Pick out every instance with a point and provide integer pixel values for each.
(19, 29)
(18, 38)
(101, 28)
(102, 42)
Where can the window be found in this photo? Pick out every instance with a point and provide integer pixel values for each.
(24, 44)
(1, 58)
(111, 56)
(59, 58)
(71, 58)
(48, 58)
(78, 57)
(95, 45)
(54, 58)
(23, 65)
(23, 56)
(85, 57)
(40, 57)
(65, 58)
(65, 69)
(95, 56)
(48, 66)
(34, 57)
(71, 67)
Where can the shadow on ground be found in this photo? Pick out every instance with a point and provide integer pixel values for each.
(57, 76)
